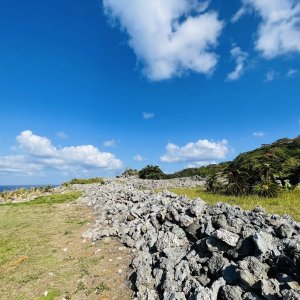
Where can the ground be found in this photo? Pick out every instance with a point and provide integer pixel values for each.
(43, 256)
(286, 203)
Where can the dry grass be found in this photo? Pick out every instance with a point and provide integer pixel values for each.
(286, 203)
(42, 254)
(23, 194)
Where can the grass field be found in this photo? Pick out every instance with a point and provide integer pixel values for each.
(286, 203)
(42, 254)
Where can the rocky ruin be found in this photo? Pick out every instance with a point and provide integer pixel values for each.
(189, 250)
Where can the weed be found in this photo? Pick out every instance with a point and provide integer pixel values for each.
(67, 232)
(28, 278)
(51, 295)
(101, 288)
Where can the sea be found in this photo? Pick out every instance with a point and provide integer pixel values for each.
(17, 187)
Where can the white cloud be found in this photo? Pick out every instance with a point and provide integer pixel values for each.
(270, 76)
(240, 13)
(17, 164)
(259, 134)
(110, 143)
(291, 72)
(138, 158)
(201, 164)
(36, 145)
(279, 30)
(169, 37)
(148, 115)
(62, 135)
(38, 153)
(199, 151)
(240, 57)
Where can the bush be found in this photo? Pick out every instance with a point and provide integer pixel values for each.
(266, 189)
(130, 172)
(213, 184)
(151, 172)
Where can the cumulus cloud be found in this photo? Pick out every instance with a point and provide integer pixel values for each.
(200, 151)
(240, 57)
(110, 143)
(148, 115)
(259, 134)
(169, 37)
(38, 153)
(279, 30)
(138, 158)
(36, 145)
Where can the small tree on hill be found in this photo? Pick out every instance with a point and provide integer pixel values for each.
(130, 172)
(151, 172)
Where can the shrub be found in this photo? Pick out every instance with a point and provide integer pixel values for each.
(151, 172)
(266, 189)
(213, 183)
(130, 172)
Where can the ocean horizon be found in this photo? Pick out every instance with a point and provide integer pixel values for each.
(24, 186)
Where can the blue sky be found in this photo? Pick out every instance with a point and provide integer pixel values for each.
(89, 87)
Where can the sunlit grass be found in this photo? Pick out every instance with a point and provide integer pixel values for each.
(49, 199)
(285, 203)
(32, 237)
(85, 181)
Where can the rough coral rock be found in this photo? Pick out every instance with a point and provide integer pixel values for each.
(189, 250)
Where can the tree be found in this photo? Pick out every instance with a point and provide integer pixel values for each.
(238, 181)
(130, 172)
(151, 172)
(213, 183)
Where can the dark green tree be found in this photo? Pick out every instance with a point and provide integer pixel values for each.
(213, 183)
(238, 181)
(151, 172)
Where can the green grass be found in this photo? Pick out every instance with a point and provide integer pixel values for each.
(285, 203)
(49, 199)
(52, 295)
(32, 238)
(85, 181)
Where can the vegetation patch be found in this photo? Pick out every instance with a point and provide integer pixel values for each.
(21, 194)
(265, 172)
(85, 181)
(49, 199)
(51, 295)
(42, 254)
(151, 172)
(287, 203)
(101, 288)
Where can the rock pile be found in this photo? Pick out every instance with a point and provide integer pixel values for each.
(189, 250)
(185, 182)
